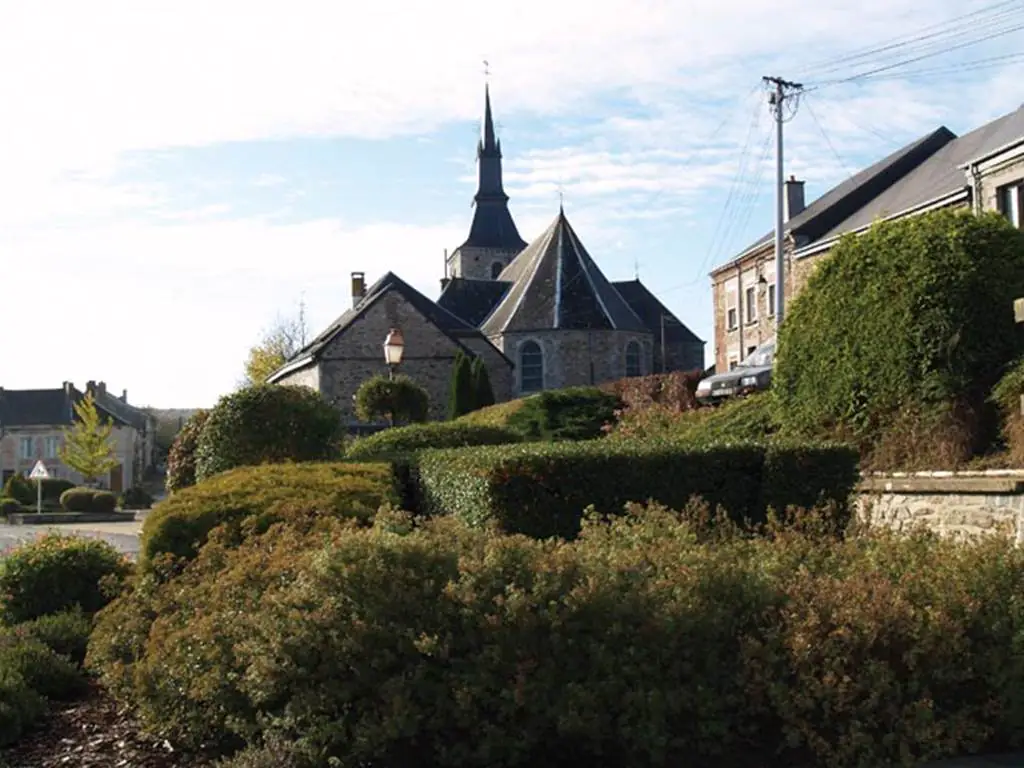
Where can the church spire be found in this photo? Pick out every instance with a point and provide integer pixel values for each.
(488, 143)
(488, 157)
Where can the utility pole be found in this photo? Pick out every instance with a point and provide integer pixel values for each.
(781, 91)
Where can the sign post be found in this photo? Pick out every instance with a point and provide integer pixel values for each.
(39, 473)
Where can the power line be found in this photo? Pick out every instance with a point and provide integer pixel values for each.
(945, 70)
(824, 134)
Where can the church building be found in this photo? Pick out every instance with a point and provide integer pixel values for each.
(540, 315)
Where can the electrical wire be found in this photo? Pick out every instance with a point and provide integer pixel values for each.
(824, 134)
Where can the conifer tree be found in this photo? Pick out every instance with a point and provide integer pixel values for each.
(88, 448)
(482, 390)
(462, 395)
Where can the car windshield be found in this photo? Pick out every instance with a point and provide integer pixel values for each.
(760, 357)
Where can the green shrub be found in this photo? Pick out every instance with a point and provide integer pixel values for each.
(483, 393)
(929, 300)
(398, 399)
(267, 424)
(44, 671)
(20, 488)
(542, 489)
(415, 437)
(496, 415)
(103, 502)
(136, 497)
(66, 633)
(20, 706)
(181, 458)
(77, 499)
(255, 496)
(53, 488)
(462, 395)
(577, 413)
(55, 573)
(9, 506)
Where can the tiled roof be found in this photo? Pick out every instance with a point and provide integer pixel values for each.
(557, 285)
(44, 407)
(472, 300)
(649, 309)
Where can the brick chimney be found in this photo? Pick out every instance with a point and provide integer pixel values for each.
(358, 287)
(102, 388)
(124, 395)
(794, 198)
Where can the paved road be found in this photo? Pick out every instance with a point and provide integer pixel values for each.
(124, 536)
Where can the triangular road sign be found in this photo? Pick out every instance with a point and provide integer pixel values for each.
(39, 471)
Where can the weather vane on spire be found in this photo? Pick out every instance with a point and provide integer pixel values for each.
(561, 196)
(487, 69)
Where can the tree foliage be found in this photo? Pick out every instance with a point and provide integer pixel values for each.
(267, 424)
(914, 316)
(462, 396)
(279, 343)
(181, 458)
(88, 448)
(483, 392)
(399, 400)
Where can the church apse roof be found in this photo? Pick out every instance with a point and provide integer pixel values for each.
(555, 285)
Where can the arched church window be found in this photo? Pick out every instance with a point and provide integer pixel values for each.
(496, 268)
(632, 359)
(531, 367)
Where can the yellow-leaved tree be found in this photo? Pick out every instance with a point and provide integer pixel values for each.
(88, 448)
(284, 338)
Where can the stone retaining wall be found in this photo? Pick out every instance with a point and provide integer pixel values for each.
(950, 503)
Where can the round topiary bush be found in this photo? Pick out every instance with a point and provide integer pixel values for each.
(910, 323)
(136, 497)
(56, 573)
(399, 400)
(77, 499)
(267, 424)
(103, 502)
(9, 506)
(181, 458)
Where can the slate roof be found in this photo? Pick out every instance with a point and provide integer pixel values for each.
(925, 170)
(43, 407)
(557, 285)
(453, 327)
(649, 309)
(112, 404)
(472, 300)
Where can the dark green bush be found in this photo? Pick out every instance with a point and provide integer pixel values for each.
(415, 437)
(642, 643)
(52, 489)
(483, 392)
(461, 395)
(929, 301)
(9, 506)
(267, 424)
(20, 706)
(542, 489)
(20, 488)
(66, 633)
(398, 399)
(577, 413)
(136, 497)
(46, 672)
(181, 458)
(256, 496)
(103, 502)
(56, 573)
(77, 499)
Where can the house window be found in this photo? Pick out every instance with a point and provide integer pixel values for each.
(531, 367)
(730, 318)
(25, 448)
(632, 359)
(1011, 203)
(771, 300)
(751, 350)
(496, 268)
(750, 299)
(733, 362)
(50, 447)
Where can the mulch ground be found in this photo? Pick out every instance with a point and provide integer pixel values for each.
(93, 732)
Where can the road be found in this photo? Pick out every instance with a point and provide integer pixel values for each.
(124, 536)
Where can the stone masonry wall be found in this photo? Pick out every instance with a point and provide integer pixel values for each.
(499, 369)
(476, 263)
(304, 377)
(570, 356)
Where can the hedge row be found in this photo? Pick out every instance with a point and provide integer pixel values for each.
(253, 497)
(644, 642)
(414, 437)
(24, 490)
(88, 500)
(542, 489)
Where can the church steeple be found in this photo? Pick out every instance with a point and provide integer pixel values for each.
(488, 158)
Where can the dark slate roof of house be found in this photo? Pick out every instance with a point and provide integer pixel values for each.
(112, 404)
(453, 327)
(43, 407)
(649, 309)
(472, 300)
(557, 285)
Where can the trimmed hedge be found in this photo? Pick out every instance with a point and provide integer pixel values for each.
(136, 497)
(56, 573)
(542, 489)
(257, 496)
(181, 458)
(88, 500)
(415, 437)
(24, 490)
(575, 413)
(9, 506)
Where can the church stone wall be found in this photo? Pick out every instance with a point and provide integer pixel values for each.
(476, 263)
(580, 358)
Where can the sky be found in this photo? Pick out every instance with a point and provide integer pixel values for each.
(175, 177)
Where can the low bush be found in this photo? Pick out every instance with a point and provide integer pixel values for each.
(88, 500)
(576, 413)
(415, 437)
(268, 423)
(103, 502)
(542, 489)
(398, 399)
(20, 706)
(181, 458)
(494, 415)
(9, 506)
(43, 670)
(749, 418)
(57, 573)
(641, 643)
(66, 633)
(53, 487)
(25, 491)
(136, 497)
(255, 496)
(21, 489)
(1006, 395)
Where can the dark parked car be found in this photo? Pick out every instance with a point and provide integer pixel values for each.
(754, 374)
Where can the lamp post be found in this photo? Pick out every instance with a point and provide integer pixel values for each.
(394, 346)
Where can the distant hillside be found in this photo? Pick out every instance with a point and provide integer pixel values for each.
(175, 416)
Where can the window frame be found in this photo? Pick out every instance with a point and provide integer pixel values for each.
(26, 447)
(750, 305)
(633, 349)
(529, 345)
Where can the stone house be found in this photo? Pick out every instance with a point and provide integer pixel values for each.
(540, 316)
(983, 170)
(351, 349)
(32, 424)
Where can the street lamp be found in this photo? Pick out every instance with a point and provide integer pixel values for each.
(394, 346)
